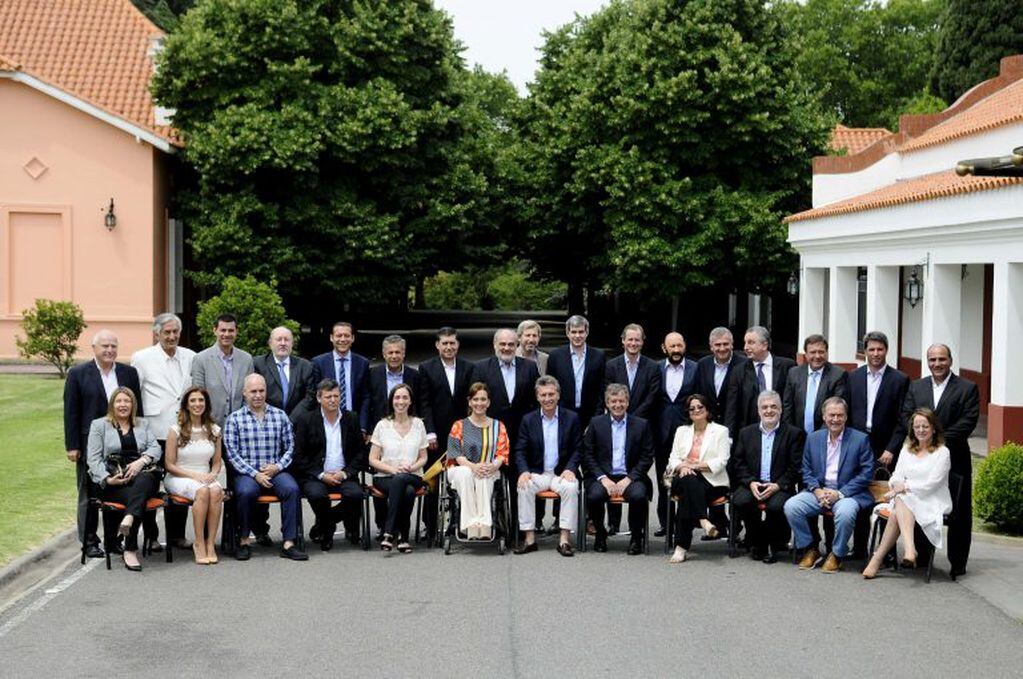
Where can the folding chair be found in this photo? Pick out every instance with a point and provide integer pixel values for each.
(107, 507)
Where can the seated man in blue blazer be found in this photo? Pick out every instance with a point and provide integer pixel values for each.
(618, 450)
(547, 454)
(838, 465)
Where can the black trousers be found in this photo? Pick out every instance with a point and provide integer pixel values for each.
(773, 530)
(401, 498)
(133, 496)
(635, 495)
(694, 493)
(348, 510)
(961, 526)
(88, 516)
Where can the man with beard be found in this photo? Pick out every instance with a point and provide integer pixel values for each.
(678, 382)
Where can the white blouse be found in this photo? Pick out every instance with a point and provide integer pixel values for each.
(396, 449)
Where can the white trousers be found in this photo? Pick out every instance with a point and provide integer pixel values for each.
(568, 490)
(474, 496)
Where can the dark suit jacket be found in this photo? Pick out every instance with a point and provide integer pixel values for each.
(646, 388)
(440, 407)
(598, 449)
(671, 414)
(301, 384)
(360, 383)
(834, 382)
(559, 366)
(743, 390)
(958, 411)
(85, 400)
(526, 374)
(529, 446)
(311, 445)
(378, 391)
(786, 456)
(855, 464)
(887, 408)
(705, 382)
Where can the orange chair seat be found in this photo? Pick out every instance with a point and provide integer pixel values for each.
(179, 499)
(884, 513)
(548, 495)
(151, 504)
(376, 492)
(617, 500)
(717, 502)
(268, 499)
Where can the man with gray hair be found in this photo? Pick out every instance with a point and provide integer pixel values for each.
(712, 372)
(87, 393)
(165, 371)
(579, 369)
(529, 339)
(762, 371)
(290, 379)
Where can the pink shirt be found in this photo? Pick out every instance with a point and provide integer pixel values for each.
(831, 467)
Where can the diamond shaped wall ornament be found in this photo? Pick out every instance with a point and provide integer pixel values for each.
(35, 168)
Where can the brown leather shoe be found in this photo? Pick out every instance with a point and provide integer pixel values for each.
(832, 564)
(809, 560)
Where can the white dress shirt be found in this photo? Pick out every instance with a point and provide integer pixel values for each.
(674, 376)
(579, 369)
(508, 373)
(334, 460)
(938, 389)
(550, 441)
(720, 372)
(449, 372)
(768, 371)
(873, 386)
(109, 379)
(164, 379)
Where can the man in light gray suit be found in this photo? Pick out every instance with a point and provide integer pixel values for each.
(528, 333)
(222, 368)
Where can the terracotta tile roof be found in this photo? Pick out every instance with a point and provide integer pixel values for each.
(6, 64)
(927, 187)
(1000, 108)
(95, 50)
(855, 139)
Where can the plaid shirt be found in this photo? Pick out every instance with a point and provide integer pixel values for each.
(252, 443)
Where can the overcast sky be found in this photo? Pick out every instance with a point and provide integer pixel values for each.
(505, 35)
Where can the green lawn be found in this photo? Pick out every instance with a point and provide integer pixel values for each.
(37, 483)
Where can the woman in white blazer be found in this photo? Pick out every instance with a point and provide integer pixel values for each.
(696, 472)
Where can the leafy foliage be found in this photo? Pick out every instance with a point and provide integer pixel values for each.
(511, 286)
(164, 13)
(255, 304)
(998, 491)
(52, 329)
(974, 36)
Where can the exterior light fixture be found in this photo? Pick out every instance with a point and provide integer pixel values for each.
(110, 219)
(913, 290)
(792, 286)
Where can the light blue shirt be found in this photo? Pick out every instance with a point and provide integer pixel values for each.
(508, 373)
(720, 370)
(813, 383)
(344, 363)
(579, 368)
(550, 441)
(394, 379)
(766, 452)
(618, 445)
(335, 458)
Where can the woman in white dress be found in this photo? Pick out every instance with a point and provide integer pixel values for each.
(193, 463)
(918, 491)
(397, 456)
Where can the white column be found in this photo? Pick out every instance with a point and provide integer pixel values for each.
(842, 300)
(942, 312)
(811, 302)
(1006, 332)
(883, 297)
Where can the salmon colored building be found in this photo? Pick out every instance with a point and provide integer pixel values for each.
(85, 169)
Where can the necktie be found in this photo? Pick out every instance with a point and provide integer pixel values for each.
(341, 383)
(284, 382)
(811, 402)
(761, 381)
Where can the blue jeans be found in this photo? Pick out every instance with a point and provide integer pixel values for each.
(247, 490)
(802, 508)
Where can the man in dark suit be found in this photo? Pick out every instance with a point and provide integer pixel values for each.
(87, 394)
(876, 394)
(762, 371)
(579, 369)
(712, 372)
(808, 386)
(547, 454)
(382, 379)
(511, 381)
(329, 454)
(956, 401)
(290, 380)
(768, 456)
(678, 382)
(618, 450)
(350, 371)
(641, 374)
(445, 381)
(837, 467)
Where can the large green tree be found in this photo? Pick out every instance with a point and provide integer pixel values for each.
(339, 147)
(665, 140)
(974, 36)
(164, 13)
(870, 59)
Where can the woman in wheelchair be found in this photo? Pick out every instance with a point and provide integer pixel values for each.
(477, 447)
(122, 456)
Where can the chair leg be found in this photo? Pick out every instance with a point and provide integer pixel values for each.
(646, 536)
(419, 516)
(930, 566)
(733, 539)
(583, 523)
(170, 543)
(365, 521)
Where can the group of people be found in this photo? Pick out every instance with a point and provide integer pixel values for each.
(784, 443)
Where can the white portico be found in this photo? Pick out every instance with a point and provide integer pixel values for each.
(897, 242)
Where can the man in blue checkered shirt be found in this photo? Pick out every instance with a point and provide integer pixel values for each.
(259, 442)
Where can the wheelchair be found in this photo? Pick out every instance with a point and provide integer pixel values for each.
(449, 509)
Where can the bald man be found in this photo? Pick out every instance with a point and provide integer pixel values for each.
(259, 443)
(86, 397)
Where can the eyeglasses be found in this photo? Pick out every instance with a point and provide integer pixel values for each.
(696, 408)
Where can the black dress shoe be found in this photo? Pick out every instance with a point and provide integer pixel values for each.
(264, 540)
(772, 557)
(327, 543)
(94, 551)
(612, 530)
(565, 549)
(600, 544)
(314, 534)
(526, 549)
(956, 571)
(758, 554)
(635, 547)
(294, 554)
(244, 553)
(660, 532)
